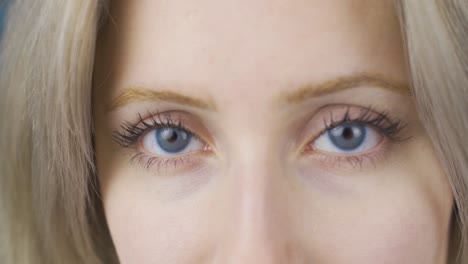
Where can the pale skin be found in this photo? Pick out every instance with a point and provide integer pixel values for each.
(261, 182)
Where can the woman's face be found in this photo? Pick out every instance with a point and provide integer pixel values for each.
(263, 131)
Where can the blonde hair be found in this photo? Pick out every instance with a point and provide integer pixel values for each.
(49, 193)
(436, 34)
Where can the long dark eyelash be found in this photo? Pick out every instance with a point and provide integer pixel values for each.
(131, 132)
(379, 120)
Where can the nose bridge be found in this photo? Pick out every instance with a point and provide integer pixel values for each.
(254, 228)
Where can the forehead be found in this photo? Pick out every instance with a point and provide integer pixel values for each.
(249, 43)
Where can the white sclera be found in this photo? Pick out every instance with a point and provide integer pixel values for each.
(151, 145)
(371, 140)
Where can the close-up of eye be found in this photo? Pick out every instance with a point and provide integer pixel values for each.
(348, 138)
(171, 141)
(162, 139)
(353, 134)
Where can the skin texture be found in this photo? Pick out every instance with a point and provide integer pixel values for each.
(256, 195)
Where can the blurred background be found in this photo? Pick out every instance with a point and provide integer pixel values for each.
(3, 5)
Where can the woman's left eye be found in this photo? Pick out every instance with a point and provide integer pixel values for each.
(171, 141)
(348, 138)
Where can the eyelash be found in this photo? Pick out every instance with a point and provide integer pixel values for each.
(390, 128)
(149, 162)
(131, 133)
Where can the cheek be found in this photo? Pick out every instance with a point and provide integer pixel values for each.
(146, 230)
(396, 221)
(399, 214)
(398, 230)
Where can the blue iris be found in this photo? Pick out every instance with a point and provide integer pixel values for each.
(172, 140)
(347, 137)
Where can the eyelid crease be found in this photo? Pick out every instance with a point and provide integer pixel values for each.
(381, 121)
(357, 161)
(131, 133)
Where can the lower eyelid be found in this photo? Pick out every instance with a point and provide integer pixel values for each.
(369, 159)
(204, 151)
(330, 115)
(370, 133)
(168, 165)
(191, 158)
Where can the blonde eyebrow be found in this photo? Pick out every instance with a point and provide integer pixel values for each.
(138, 94)
(342, 83)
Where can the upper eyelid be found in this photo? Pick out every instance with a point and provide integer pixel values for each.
(130, 133)
(164, 118)
(324, 119)
(368, 116)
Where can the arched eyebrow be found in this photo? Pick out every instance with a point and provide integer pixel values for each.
(343, 83)
(137, 94)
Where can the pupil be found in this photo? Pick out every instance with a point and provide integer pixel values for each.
(348, 133)
(347, 137)
(173, 140)
(172, 136)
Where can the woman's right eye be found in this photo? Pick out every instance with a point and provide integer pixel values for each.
(171, 141)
